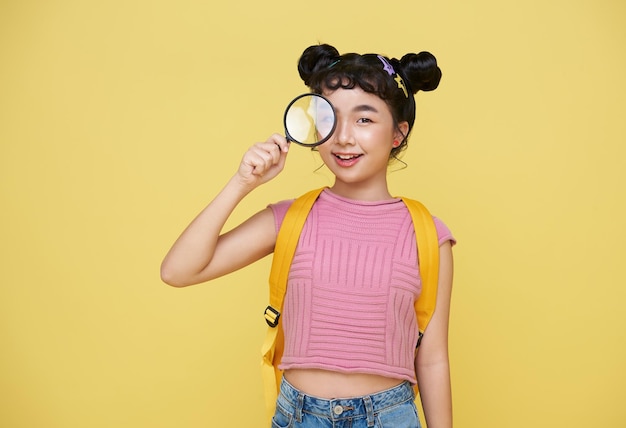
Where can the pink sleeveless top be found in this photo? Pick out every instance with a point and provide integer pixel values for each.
(351, 288)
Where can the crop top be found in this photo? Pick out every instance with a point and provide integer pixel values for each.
(349, 305)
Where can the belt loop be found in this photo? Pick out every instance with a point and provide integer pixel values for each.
(299, 407)
(369, 407)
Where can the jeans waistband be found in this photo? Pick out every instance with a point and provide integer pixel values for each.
(344, 408)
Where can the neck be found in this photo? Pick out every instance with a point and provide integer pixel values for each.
(361, 192)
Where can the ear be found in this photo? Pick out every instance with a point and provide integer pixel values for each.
(402, 131)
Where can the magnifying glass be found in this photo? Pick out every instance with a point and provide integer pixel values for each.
(309, 120)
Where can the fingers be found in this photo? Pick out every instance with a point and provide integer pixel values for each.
(279, 141)
(265, 160)
(263, 156)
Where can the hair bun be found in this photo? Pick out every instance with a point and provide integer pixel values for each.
(315, 58)
(421, 70)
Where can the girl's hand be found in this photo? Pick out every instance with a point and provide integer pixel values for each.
(263, 161)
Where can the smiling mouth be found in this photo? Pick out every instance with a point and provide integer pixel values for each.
(347, 157)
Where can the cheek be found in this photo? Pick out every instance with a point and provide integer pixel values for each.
(324, 151)
(378, 138)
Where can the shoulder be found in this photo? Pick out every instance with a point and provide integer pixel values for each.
(443, 232)
(280, 210)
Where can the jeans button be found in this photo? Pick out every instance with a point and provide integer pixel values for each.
(337, 410)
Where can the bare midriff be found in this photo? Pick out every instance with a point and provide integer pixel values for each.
(329, 384)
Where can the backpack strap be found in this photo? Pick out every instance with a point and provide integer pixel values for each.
(285, 248)
(428, 258)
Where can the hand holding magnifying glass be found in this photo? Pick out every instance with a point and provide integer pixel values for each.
(309, 120)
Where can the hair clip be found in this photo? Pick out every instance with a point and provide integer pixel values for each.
(401, 85)
(389, 69)
(386, 66)
(333, 63)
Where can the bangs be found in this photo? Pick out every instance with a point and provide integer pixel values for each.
(351, 76)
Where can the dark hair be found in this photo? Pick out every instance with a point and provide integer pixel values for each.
(321, 67)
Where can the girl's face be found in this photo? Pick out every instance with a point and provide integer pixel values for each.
(358, 151)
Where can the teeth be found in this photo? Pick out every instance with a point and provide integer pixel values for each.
(347, 157)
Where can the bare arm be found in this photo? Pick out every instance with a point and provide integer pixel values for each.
(202, 252)
(432, 363)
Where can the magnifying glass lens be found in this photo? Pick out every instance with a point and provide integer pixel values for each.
(309, 120)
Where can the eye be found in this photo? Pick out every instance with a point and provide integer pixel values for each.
(364, 120)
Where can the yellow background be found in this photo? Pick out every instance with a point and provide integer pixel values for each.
(119, 120)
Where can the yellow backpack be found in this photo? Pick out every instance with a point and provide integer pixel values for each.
(286, 241)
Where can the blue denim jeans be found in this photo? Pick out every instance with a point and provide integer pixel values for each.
(393, 408)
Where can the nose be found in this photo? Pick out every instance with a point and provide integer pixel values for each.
(343, 133)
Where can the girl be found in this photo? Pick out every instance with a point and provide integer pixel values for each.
(349, 323)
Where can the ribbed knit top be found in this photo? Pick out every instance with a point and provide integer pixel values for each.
(351, 288)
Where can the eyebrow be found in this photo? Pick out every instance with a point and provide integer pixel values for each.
(363, 108)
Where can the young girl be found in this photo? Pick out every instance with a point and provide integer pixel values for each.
(349, 322)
